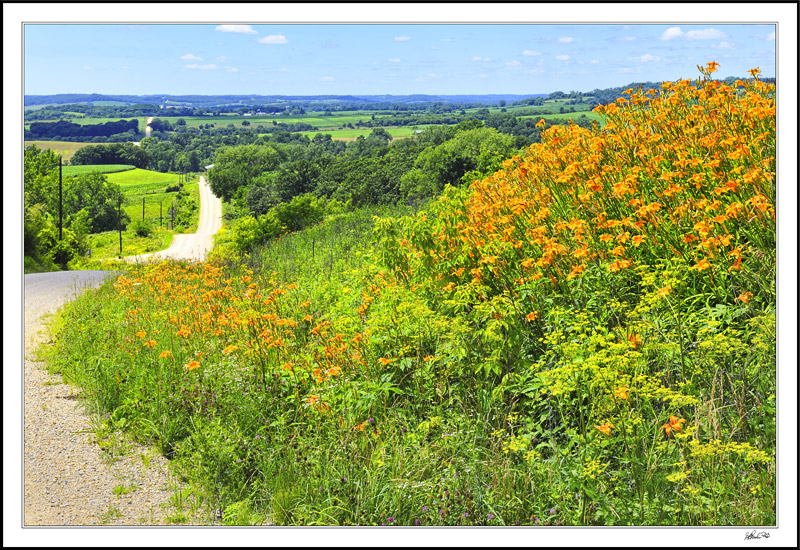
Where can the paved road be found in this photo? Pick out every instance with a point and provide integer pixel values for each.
(197, 245)
(46, 292)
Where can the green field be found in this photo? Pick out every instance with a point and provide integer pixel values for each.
(318, 121)
(64, 148)
(138, 184)
(102, 168)
(351, 134)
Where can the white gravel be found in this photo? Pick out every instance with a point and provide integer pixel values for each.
(68, 479)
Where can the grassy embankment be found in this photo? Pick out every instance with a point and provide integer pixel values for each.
(586, 337)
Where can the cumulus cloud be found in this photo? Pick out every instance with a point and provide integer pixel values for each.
(594, 61)
(514, 63)
(87, 68)
(566, 39)
(242, 29)
(191, 57)
(627, 38)
(531, 52)
(562, 57)
(401, 38)
(209, 67)
(647, 57)
(723, 46)
(231, 70)
(702, 34)
(771, 36)
(393, 60)
(284, 70)
(273, 39)
(479, 58)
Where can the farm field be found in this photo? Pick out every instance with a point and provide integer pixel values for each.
(102, 168)
(351, 134)
(64, 148)
(222, 121)
(138, 184)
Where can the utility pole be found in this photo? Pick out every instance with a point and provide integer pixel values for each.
(142, 208)
(60, 201)
(119, 222)
(160, 214)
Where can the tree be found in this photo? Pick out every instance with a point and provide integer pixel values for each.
(236, 167)
(98, 197)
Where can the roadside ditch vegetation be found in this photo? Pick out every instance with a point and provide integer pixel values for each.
(580, 334)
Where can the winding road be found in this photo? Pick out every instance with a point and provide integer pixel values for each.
(196, 245)
(66, 478)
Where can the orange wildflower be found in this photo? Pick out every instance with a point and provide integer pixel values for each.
(605, 428)
(674, 425)
(621, 392)
(702, 265)
(150, 343)
(192, 365)
(745, 297)
(164, 354)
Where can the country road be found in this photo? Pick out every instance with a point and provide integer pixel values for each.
(66, 478)
(196, 245)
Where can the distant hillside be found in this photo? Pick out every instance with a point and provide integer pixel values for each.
(244, 100)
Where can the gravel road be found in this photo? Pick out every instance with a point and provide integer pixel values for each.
(68, 479)
(196, 245)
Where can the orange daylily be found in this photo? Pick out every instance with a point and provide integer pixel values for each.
(674, 425)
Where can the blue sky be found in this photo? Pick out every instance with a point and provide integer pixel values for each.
(302, 59)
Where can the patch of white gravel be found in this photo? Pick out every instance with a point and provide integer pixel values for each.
(68, 479)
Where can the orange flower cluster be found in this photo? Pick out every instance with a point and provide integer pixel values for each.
(203, 308)
(687, 171)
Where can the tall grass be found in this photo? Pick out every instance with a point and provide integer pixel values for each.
(586, 337)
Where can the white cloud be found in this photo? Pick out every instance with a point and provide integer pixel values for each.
(483, 76)
(479, 58)
(514, 63)
(533, 71)
(326, 78)
(646, 57)
(723, 46)
(284, 70)
(624, 70)
(273, 39)
(562, 57)
(594, 61)
(672, 32)
(231, 70)
(393, 60)
(566, 39)
(220, 58)
(124, 67)
(771, 36)
(209, 67)
(703, 34)
(627, 38)
(87, 68)
(242, 29)
(401, 38)
(191, 57)
(531, 52)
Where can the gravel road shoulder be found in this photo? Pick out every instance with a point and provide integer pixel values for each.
(68, 479)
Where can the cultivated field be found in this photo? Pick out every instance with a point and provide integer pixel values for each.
(64, 148)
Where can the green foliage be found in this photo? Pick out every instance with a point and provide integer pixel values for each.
(236, 167)
(141, 228)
